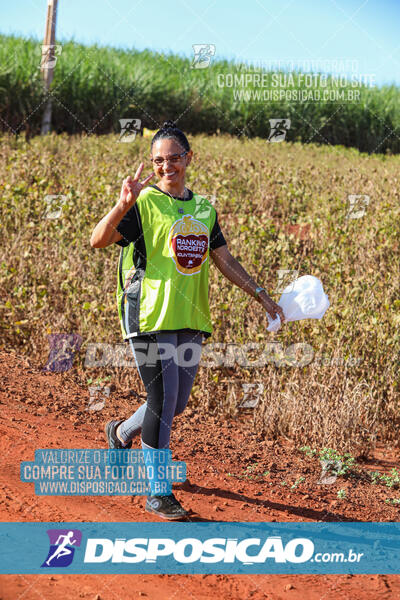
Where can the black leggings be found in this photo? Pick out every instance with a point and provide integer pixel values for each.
(167, 363)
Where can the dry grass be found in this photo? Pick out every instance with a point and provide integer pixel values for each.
(53, 281)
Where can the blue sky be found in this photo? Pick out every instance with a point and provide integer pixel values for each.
(363, 31)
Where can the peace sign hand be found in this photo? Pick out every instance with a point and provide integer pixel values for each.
(131, 188)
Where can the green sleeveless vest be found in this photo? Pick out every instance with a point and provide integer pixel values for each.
(163, 276)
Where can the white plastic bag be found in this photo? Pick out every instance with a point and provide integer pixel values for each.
(302, 299)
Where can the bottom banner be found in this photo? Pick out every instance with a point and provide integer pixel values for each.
(217, 547)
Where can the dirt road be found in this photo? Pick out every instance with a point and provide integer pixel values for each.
(233, 475)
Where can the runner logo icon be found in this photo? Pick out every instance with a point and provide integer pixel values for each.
(61, 551)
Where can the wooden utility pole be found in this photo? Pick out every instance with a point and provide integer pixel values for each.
(48, 61)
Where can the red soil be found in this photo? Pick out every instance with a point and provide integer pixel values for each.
(47, 410)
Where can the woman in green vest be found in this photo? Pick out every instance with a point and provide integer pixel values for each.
(166, 233)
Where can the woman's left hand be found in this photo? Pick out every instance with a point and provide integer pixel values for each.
(271, 307)
(231, 268)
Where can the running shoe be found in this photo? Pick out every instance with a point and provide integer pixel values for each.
(166, 507)
(113, 442)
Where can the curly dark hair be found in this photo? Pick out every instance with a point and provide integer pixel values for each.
(171, 131)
